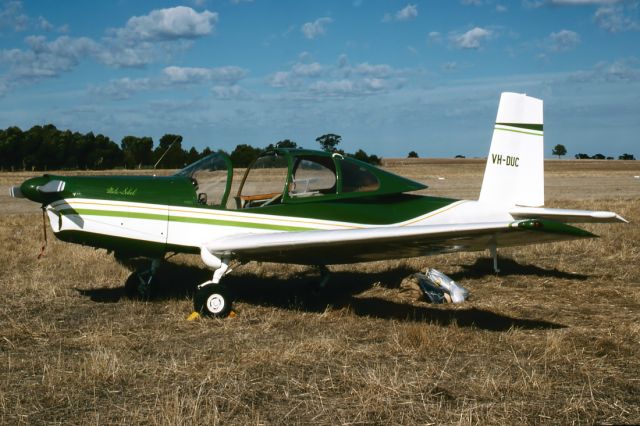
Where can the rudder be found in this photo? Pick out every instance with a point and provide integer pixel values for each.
(514, 174)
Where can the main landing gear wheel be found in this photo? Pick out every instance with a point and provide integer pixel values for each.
(213, 300)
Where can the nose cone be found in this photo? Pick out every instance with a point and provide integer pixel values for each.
(29, 188)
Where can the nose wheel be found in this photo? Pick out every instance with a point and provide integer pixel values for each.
(213, 300)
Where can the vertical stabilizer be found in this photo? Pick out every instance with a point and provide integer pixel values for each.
(514, 174)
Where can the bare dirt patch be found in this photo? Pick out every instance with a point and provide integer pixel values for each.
(554, 338)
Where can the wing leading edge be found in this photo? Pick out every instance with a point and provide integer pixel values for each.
(362, 245)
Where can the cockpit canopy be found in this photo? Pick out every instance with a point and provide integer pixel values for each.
(288, 176)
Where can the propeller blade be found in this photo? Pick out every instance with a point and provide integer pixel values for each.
(15, 192)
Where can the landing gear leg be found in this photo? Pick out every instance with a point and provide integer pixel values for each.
(494, 253)
(141, 283)
(325, 274)
(212, 298)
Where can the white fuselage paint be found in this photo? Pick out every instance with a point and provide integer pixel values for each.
(181, 226)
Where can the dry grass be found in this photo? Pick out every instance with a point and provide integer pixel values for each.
(553, 339)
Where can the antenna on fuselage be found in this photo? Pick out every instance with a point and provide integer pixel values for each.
(167, 150)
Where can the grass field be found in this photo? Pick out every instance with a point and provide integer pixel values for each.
(554, 338)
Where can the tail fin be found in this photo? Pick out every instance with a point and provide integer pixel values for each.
(514, 174)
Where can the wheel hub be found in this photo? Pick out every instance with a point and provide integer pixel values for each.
(215, 303)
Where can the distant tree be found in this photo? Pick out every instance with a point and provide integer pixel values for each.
(206, 151)
(285, 143)
(329, 142)
(100, 153)
(609, 158)
(626, 157)
(137, 151)
(10, 143)
(581, 156)
(169, 152)
(412, 154)
(460, 156)
(559, 150)
(244, 154)
(192, 156)
(598, 157)
(375, 160)
(363, 156)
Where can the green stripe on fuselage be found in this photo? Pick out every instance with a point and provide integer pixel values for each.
(183, 219)
(375, 211)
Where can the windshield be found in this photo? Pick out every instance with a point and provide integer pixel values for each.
(211, 178)
(263, 182)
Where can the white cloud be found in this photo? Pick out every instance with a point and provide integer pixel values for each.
(224, 78)
(339, 79)
(316, 28)
(11, 16)
(472, 39)
(501, 8)
(534, 4)
(472, 2)
(407, 13)
(449, 66)
(280, 79)
(189, 75)
(342, 87)
(296, 75)
(44, 24)
(615, 19)
(367, 69)
(308, 70)
(435, 37)
(122, 88)
(622, 70)
(117, 55)
(230, 92)
(145, 38)
(582, 2)
(562, 41)
(174, 23)
(46, 59)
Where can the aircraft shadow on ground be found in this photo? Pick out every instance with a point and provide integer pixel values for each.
(483, 267)
(300, 293)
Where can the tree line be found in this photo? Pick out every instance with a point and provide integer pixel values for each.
(48, 148)
(561, 150)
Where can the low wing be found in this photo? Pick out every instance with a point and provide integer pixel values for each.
(566, 215)
(362, 245)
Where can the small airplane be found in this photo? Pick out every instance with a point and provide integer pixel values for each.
(308, 207)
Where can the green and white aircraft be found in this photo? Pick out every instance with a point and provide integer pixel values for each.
(308, 207)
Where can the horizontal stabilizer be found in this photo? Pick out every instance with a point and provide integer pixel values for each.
(566, 215)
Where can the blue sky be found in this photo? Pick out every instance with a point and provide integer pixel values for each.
(389, 76)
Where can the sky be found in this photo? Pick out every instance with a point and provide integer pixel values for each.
(388, 76)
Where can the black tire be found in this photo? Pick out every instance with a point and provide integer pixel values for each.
(213, 300)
